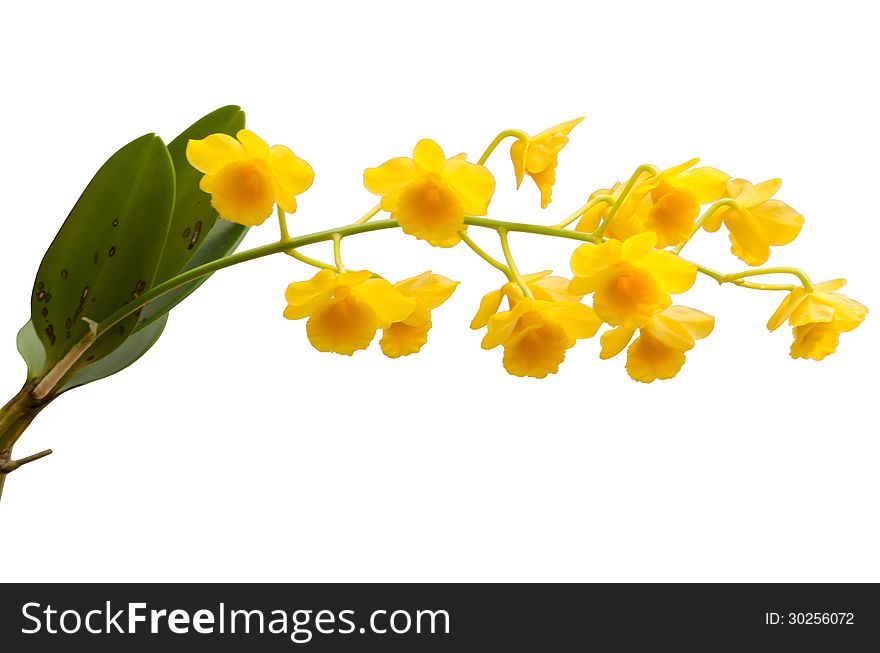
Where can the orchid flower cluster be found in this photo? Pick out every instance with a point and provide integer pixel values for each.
(158, 219)
(630, 261)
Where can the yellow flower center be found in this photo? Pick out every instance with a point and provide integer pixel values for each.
(428, 209)
(536, 350)
(673, 214)
(629, 297)
(435, 196)
(243, 192)
(343, 325)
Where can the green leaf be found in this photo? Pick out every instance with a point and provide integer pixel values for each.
(151, 207)
(123, 356)
(31, 350)
(107, 252)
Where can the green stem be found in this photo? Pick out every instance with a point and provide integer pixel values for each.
(736, 279)
(486, 257)
(285, 238)
(516, 133)
(309, 260)
(704, 218)
(599, 199)
(337, 253)
(502, 234)
(369, 214)
(318, 237)
(282, 225)
(526, 228)
(800, 274)
(235, 259)
(647, 167)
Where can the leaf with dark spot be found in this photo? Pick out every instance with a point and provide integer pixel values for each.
(136, 187)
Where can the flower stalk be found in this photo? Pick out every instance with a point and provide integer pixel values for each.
(507, 133)
(355, 229)
(479, 251)
(599, 199)
(337, 253)
(511, 264)
(624, 195)
(711, 211)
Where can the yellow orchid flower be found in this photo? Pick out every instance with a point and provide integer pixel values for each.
(245, 177)
(818, 318)
(538, 156)
(631, 280)
(407, 336)
(758, 222)
(542, 286)
(346, 309)
(429, 195)
(667, 203)
(536, 333)
(659, 351)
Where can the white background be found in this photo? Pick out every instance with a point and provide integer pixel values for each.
(233, 451)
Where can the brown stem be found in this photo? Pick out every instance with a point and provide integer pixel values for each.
(11, 465)
(15, 417)
(4, 459)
